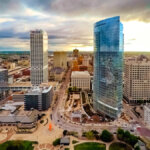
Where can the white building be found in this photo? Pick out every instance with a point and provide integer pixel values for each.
(80, 79)
(39, 57)
(147, 115)
(137, 79)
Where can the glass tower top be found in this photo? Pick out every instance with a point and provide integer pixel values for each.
(108, 66)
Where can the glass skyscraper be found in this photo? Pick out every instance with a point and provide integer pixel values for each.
(108, 66)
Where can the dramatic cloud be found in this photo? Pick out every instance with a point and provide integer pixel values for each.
(127, 9)
(69, 23)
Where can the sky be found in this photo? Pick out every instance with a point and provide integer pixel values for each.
(69, 23)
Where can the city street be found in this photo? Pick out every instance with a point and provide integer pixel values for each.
(66, 124)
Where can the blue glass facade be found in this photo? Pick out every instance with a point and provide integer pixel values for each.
(108, 66)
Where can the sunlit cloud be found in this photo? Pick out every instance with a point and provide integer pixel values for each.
(69, 23)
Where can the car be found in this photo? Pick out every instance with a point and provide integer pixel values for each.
(132, 130)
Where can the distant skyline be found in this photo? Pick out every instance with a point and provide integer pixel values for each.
(70, 23)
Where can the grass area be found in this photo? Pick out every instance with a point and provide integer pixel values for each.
(74, 142)
(119, 146)
(17, 145)
(90, 146)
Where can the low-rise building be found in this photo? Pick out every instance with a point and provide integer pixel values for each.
(18, 97)
(57, 74)
(38, 98)
(3, 76)
(14, 114)
(80, 79)
(65, 141)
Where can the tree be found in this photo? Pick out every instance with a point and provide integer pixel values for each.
(56, 142)
(120, 134)
(106, 136)
(84, 134)
(95, 132)
(127, 136)
(120, 131)
(65, 132)
(69, 89)
(137, 148)
(133, 140)
(90, 135)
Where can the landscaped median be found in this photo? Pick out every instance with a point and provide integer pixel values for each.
(90, 146)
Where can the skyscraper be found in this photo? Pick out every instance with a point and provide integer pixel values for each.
(60, 59)
(39, 57)
(108, 66)
(137, 80)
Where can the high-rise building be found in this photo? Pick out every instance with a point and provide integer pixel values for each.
(108, 66)
(38, 98)
(60, 59)
(39, 57)
(137, 80)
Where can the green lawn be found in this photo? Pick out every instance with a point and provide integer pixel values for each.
(90, 146)
(17, 145)
(119, 146)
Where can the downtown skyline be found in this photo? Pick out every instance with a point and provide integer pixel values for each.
(69, 24)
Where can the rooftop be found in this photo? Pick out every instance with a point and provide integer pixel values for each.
(2, 69)
(38, 90)
(65, 140)
(102, 22)
(80, 73)
(57, 70)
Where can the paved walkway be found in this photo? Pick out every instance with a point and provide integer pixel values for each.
(9, 135)
(83, 141)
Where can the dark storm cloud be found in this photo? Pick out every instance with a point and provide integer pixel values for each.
(10, 33)
(66, 21)
(127, 9)
(10, 6)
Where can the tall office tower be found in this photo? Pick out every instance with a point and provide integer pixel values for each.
(137, 79)
(108, 67)
(60, 59)
(39, 57)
